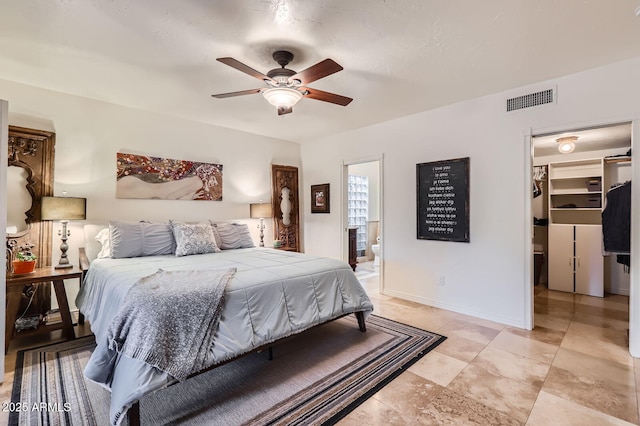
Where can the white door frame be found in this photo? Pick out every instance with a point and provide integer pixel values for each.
(634, 285)
(344, 220)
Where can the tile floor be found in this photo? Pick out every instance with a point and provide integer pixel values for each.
(574, 368)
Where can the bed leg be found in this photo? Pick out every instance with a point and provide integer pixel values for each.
(133, 415)
(361, 325)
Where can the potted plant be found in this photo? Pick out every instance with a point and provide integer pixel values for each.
(25, 262)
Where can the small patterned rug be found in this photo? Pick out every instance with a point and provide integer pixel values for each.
(316, 377)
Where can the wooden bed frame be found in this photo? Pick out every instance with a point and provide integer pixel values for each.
(133, 414)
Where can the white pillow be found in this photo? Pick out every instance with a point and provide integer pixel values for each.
(103, 238)
(194, 239)
(92, 246)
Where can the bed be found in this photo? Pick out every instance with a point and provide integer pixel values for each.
(272, 295)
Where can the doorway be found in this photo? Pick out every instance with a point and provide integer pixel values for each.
(362, 220)
(573, 172)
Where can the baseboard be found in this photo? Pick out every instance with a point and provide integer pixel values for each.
(455, 308)
(619, 291)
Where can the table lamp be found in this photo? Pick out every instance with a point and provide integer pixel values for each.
(63, 209)
(260, 211)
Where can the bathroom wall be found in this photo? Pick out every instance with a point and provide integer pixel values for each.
(372, 171)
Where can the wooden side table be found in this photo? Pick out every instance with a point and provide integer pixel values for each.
(15, 285)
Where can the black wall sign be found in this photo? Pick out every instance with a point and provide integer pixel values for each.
(443, 200)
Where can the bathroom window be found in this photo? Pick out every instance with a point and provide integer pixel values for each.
(358, 198)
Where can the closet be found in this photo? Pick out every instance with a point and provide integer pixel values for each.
(576, 263)
(570, 194)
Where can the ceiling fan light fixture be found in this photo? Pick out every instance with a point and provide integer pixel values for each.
(282, 97)
(567, 144)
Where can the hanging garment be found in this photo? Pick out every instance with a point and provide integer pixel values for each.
(616, 222)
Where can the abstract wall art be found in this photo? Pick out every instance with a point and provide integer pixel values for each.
(145, 177)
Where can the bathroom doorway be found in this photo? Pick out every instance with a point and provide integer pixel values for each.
(362, 192)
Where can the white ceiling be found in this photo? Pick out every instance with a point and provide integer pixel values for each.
(400, 57)
(601, 138)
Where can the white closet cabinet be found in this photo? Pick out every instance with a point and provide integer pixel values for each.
(576, 264)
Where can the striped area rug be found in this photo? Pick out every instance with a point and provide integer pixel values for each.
(317, 377)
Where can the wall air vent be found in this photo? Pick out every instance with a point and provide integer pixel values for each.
(530, 100)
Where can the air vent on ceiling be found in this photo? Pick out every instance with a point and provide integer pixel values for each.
(530, 100)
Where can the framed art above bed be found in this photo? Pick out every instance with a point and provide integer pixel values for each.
(146, 177)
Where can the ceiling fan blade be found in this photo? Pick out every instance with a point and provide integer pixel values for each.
(285, 110)
(233, 63)
(326, 96)
(317, 71)
(240, 93)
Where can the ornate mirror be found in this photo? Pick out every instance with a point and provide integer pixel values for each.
(285, 206)
(29, 178)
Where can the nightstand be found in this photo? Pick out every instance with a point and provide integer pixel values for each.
(285, 248)
(15, 285)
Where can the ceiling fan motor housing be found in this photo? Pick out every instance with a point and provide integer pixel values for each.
(281, 75)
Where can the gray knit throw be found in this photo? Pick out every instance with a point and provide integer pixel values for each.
(169, 319)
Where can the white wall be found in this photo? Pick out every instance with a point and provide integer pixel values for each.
(490, 276)
(89, 133)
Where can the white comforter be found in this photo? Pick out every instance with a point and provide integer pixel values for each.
(273, 294)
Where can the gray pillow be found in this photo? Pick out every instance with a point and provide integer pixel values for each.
(140, 239)
(234, 236)
(194, 238)
(245, 236)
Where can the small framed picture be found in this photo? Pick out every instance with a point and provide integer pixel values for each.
(320, 198)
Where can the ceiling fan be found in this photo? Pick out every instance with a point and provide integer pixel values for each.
(286, 87)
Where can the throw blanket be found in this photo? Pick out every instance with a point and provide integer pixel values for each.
(169, 319)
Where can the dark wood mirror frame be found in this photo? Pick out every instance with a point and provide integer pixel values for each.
(34, 151)
(288, 232)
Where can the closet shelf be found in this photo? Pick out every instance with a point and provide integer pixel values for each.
(576, 192)
(570, 209)
(617, 160)
(576, 177)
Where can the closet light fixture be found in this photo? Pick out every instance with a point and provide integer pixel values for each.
(567, 144)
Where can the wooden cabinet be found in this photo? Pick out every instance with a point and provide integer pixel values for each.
(576, 264)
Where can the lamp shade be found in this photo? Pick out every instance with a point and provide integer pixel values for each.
(63, 208)
(260, 210)
(282, 97)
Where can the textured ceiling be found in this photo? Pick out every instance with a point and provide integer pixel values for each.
(400, 57)
(601, 138)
